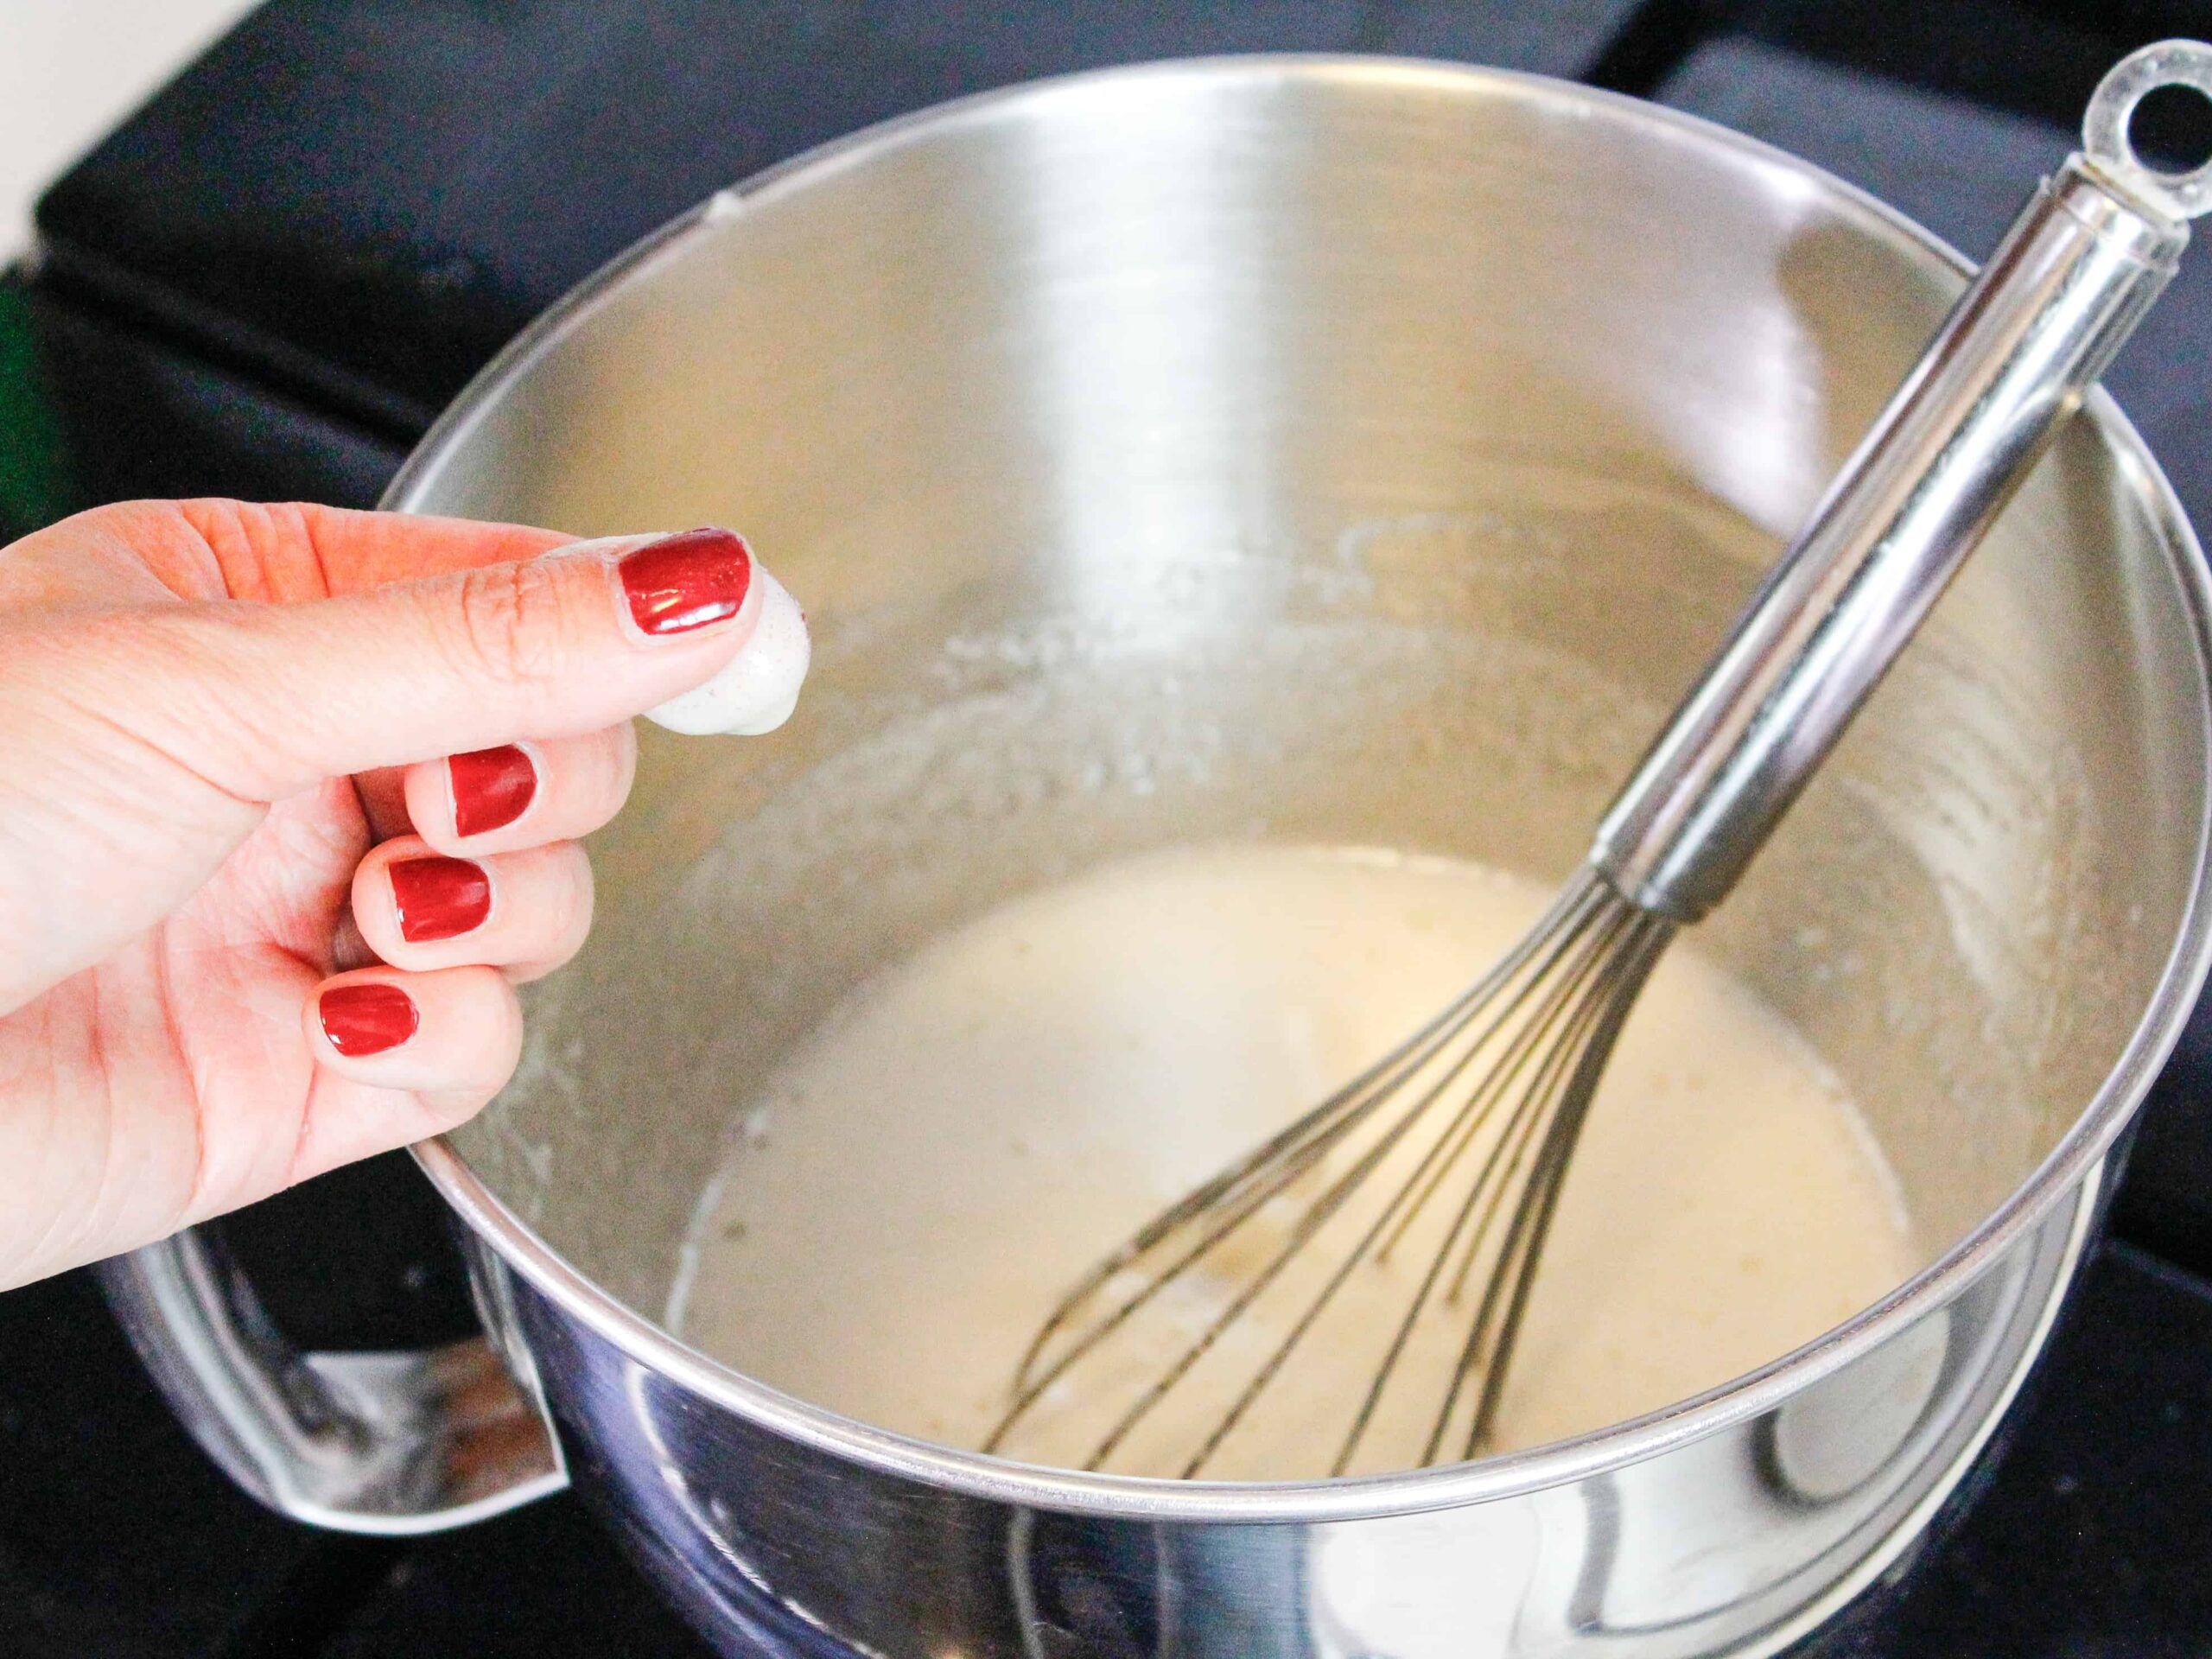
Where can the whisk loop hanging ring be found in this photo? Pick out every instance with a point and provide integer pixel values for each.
(1430, 1180)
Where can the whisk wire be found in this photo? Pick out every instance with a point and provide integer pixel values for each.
(1468, 1123)
(1534, 1034)
(1536, 1106)
(1351, 1103)
(1649, 936)
(1443, 1154)
(1507, 1150)
(1317, 1215)
(1555, 1034)
(1241, 1191)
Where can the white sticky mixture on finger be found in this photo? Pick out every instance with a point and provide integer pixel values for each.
(758, 690)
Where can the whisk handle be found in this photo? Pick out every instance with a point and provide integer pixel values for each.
(2075, 273)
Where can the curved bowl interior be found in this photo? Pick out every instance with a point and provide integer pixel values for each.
(1318, 451)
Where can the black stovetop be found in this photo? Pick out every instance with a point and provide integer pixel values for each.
(267, 282)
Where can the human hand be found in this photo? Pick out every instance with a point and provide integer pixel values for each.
(289, 802)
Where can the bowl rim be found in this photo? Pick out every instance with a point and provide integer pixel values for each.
(2071, 1163)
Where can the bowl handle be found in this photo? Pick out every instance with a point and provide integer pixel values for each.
(410, 1441)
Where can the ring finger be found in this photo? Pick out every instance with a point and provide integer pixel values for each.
(526, 912)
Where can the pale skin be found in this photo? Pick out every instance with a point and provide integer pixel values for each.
(220, 725)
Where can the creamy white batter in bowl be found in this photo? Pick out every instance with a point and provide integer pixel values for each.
(910, 1192)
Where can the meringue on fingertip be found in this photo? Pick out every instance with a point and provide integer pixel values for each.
(758, 689)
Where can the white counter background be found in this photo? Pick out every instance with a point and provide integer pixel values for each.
(71, 70)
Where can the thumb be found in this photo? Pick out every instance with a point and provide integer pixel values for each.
(570, 641)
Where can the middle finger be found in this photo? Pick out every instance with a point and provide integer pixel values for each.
(522, 794)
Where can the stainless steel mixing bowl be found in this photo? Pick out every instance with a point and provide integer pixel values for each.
(1312, 450)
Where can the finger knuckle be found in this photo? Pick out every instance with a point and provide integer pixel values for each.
(511, 623)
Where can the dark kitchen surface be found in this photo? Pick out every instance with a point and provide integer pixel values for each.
(268, 281)
(380, 285)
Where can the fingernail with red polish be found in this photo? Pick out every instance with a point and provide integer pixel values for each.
(686, 580)
(491, 788)
(440, 898)
(366, 1018)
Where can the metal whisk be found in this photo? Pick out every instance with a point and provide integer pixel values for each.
(1428, 1182)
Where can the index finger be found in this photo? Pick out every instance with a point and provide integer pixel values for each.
(360, 551)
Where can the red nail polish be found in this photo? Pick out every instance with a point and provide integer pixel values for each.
(491, 788)
(440, 898)
(366, 1018)
(687, 581)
